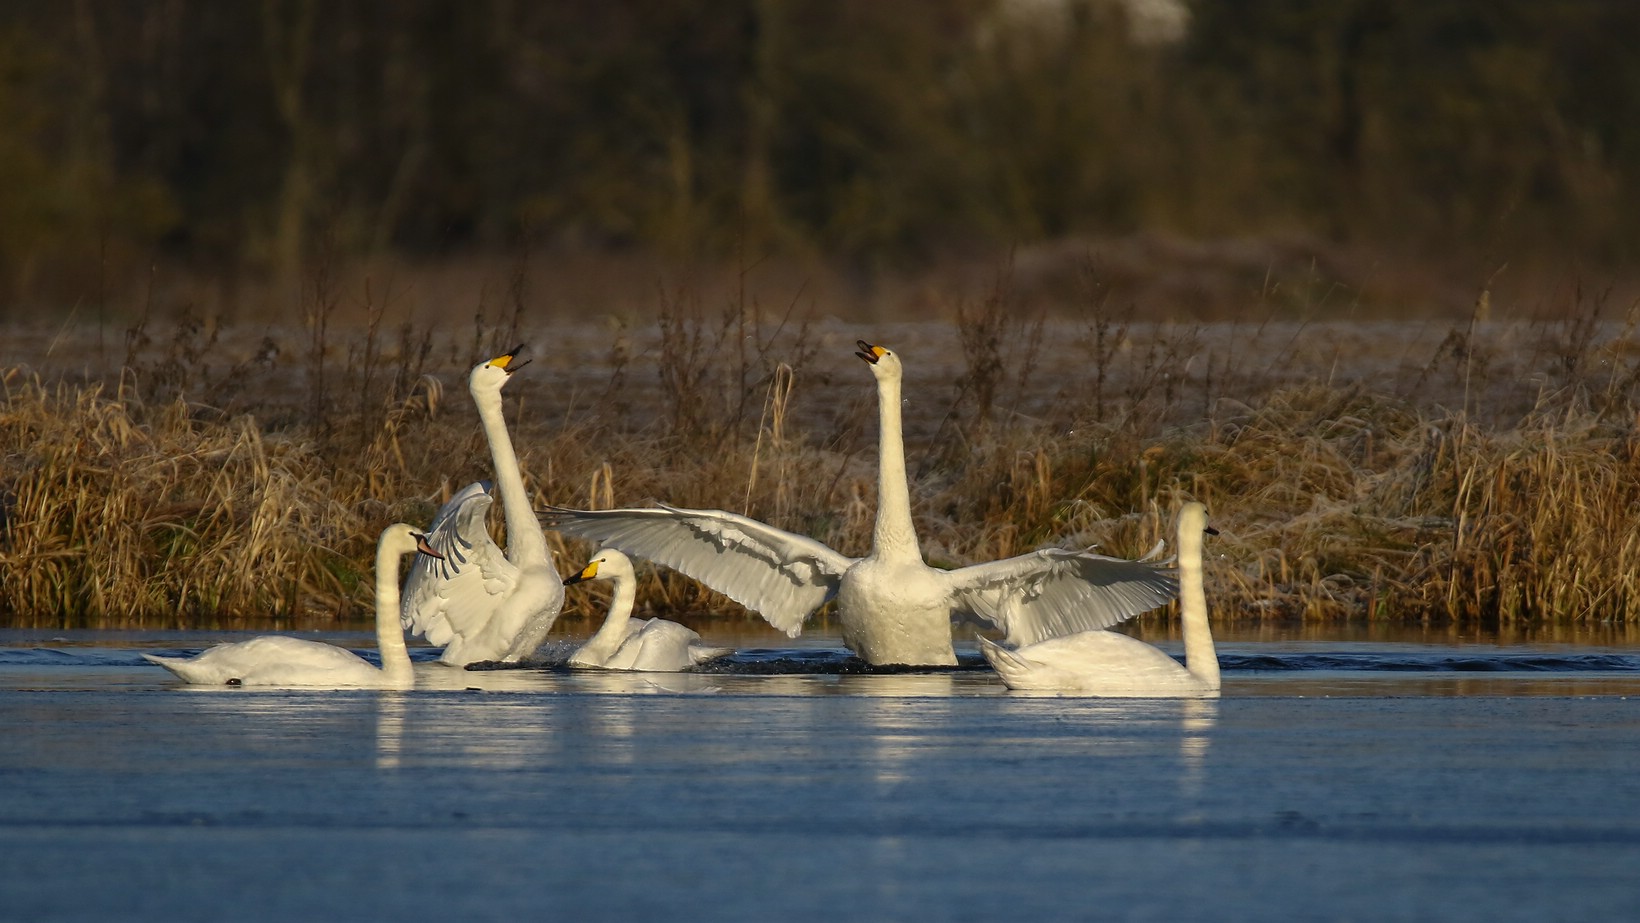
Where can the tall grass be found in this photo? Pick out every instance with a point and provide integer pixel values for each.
(1483, 475)
(117, 508)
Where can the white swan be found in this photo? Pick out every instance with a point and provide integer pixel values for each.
(654, 645)
(1104, 663)
(276, 660)
(893, 607)
(478, 602)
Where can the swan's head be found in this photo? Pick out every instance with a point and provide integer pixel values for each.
(884, 362)
(402, 538)
(491, 375)
(1193, 520)
(607, 564)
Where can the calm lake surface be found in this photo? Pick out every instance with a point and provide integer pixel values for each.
(1336, 780)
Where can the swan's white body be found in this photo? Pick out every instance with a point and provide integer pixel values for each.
(1104, 663)
(481, 603)
(276, 660)
(893, 607)
(625, 643)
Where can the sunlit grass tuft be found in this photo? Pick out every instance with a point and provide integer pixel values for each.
(1486, 477)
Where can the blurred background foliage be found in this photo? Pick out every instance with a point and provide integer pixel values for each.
(245, 137)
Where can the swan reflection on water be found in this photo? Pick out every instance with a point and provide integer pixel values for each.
(1196, 720)
(518, 716)
(622, 682)
(485, 731)
(898, 728)
(390, 710)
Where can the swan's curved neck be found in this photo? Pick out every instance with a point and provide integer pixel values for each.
(895, 536)
(526, 544)
(613, 631)
(389, 632)
(1199, 656)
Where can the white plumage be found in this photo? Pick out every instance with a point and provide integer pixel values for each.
(481, 603)
(276, 660)
(893, 607)
(1104, 663)
(625, 643)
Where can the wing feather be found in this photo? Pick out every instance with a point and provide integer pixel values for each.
(455, 597)
(1054, 592)
(780, 575)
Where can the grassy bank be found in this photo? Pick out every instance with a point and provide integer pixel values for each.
(1468, 473)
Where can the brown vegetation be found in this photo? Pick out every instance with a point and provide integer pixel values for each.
(1477, 473)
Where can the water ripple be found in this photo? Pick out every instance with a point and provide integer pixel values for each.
(839, 662)
(1433, 662)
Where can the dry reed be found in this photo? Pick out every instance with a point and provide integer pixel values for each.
(1472, 481)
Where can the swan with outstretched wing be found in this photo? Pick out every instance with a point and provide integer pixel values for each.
(893, 607)
(480, 602)
(780, 575)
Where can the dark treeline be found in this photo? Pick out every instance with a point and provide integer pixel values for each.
(251, 134)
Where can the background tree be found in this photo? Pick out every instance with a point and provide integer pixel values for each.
(236, 138)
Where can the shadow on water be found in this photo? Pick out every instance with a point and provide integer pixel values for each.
(830, 662)
(1396, 662)
(778, 662)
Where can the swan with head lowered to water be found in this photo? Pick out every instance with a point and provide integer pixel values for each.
(625, 643)
(278, 660)
(1105, 663)
(479, 602)
(893, 608)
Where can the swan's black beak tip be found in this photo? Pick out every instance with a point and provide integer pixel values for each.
(422, 547)
(867, 351)
(508, 361)
(514, 365)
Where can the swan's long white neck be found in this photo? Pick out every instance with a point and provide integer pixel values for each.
(1200, 658)
(389, 632)
(613, 631)
(895, 536)
(526, 544)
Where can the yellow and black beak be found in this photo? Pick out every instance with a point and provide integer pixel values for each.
(424, 548)
(868, 352)
(587, 573)
(507, 362)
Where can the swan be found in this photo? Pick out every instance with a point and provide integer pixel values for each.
(893, 608)
(654, 645)
(276, 660)
(1104, 663)
(478, 602)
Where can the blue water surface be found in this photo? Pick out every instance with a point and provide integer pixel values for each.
(1332, 782)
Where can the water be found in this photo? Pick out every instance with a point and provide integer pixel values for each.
(1342, 781)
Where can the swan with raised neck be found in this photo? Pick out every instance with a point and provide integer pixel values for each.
(625, 643)
(892, 607)
(1105, 663)
(483, 603)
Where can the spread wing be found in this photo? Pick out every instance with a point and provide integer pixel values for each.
(780, 575)
(1053, 592)
(457, 596)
